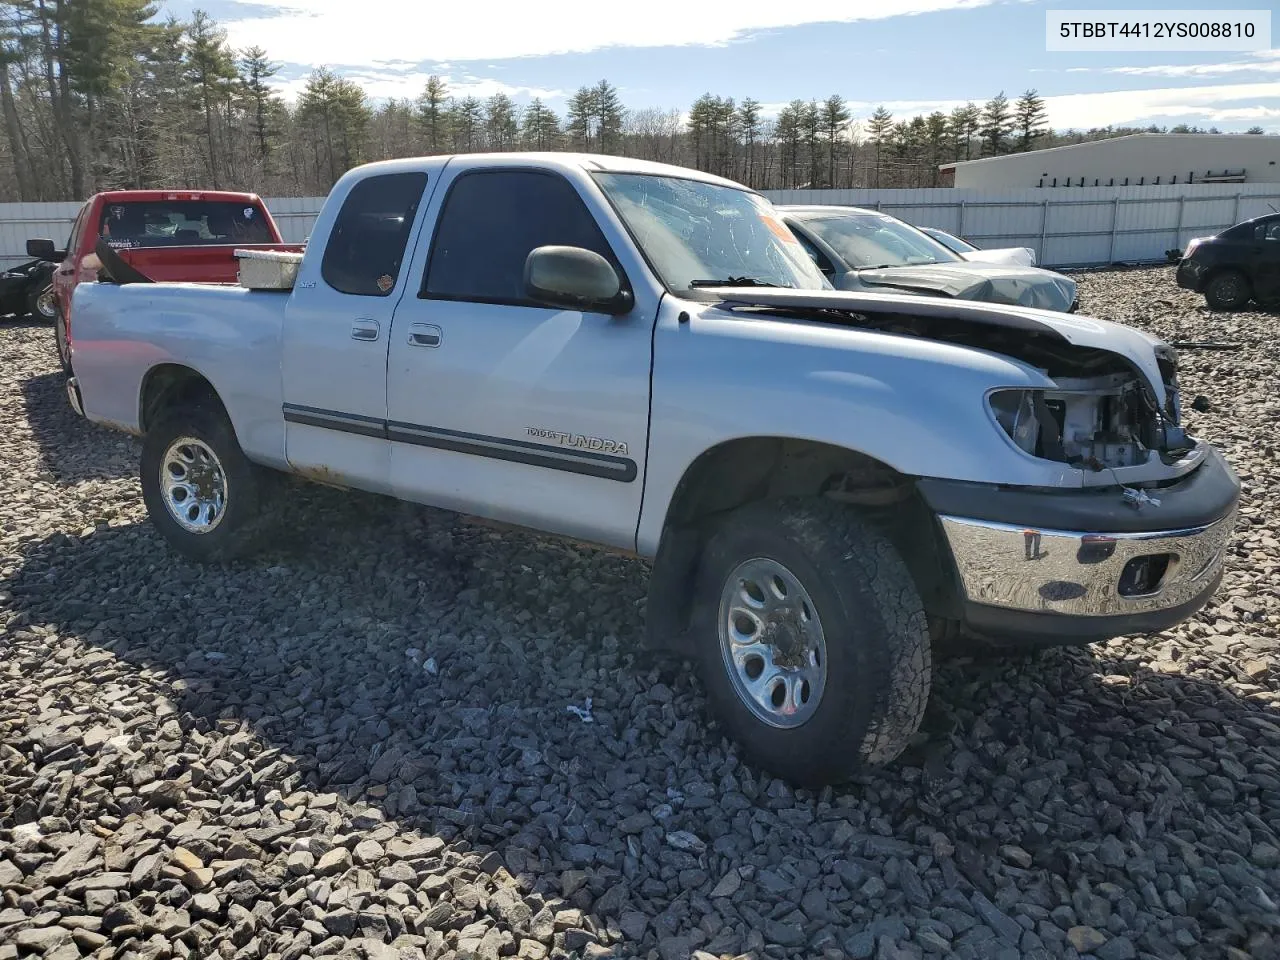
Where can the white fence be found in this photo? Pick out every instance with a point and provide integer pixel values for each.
(1068, 226)
(1080, 226)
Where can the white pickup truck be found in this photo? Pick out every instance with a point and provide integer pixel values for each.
(829, 484)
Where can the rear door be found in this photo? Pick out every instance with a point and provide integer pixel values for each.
(503, 408)
(337, 327)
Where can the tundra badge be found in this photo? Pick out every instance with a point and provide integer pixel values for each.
(598, 444)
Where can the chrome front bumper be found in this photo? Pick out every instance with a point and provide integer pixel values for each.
(1085, 574)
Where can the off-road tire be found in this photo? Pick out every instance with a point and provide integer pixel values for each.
(40, 304)
(1228, 290)
(877, 639)
(248, 486)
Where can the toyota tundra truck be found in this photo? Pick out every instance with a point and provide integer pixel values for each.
(829, 484)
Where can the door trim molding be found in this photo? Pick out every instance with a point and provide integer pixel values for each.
(582, 462)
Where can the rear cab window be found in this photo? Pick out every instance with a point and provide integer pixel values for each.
(171, 223)
(365, 249)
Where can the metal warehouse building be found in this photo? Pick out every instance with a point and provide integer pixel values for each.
(1141, 159)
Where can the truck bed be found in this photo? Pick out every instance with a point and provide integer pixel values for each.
(230, 335)
(195, 263)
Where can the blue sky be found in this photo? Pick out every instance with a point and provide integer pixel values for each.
(911, 55)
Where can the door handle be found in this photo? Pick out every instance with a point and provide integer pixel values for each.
(425, 335)
(364, 330)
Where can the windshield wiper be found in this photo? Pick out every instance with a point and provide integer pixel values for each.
(731, 282)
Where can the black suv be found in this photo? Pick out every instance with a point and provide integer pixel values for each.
(1236, 266)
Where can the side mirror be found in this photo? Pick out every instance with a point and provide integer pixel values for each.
(575, 279)
(44, 249)
(846, 280)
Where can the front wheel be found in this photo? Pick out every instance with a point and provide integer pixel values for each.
(202, 493)
(41, 305)
(1228, 290)
(812, 640)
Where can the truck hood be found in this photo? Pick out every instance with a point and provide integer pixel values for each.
(972, 280)
(1140, 349)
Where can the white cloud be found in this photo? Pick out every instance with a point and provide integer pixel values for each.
(1212, 104)
(335, 32)
(1261, 62)
(388, 84)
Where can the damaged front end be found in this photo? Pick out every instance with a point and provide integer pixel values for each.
(1103, 413)
(1097, 423)
(1113, 412)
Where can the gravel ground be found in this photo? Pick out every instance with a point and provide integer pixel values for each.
(361, 744)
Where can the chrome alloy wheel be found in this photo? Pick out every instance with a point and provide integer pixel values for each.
(194, 485)
(45, 306)
(772, 643)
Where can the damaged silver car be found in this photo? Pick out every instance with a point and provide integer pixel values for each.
(860, 249)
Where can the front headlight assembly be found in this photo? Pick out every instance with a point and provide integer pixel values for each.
(1015, 411)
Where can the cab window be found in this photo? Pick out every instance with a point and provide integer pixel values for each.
(365, 249)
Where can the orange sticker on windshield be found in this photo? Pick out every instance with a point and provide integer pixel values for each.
(779, 229)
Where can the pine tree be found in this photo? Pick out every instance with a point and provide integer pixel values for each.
(211, 70)
(811, 124)
(936, 141)
(787, 129)
(748, 122)
(318, 112)
(433, 113)
(581, 119)
(256, 69)
(1029, 117)
(996, 125)
(541, 127)
(609, 116)
(879, 130)
(835, 120)
(466, 118)
(501, 122)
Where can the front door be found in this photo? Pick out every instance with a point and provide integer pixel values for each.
(336, 331)
(500, 407)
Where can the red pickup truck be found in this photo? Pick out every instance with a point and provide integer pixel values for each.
(167, 235)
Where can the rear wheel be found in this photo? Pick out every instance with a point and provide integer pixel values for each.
(812, 640)
(1228, 290)
(40, 304)
(202, 493)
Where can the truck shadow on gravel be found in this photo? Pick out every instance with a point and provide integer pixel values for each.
(71, 448)
(426, 664)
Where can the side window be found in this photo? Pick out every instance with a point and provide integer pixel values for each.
(819, 259)
(365, 249)
(77, 229)
(490, 223)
